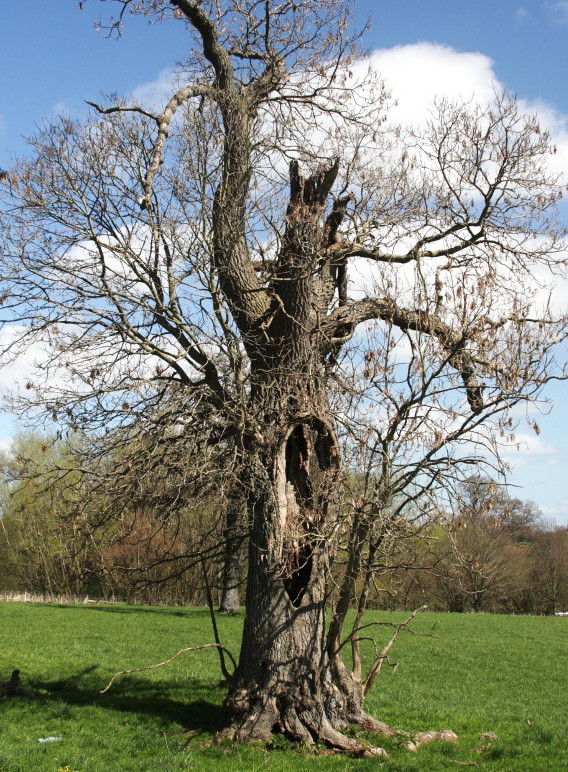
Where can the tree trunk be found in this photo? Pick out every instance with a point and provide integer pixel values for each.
(284, 681)
(232, 569)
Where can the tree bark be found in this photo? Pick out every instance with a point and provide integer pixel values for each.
(232, 568)
(282, 681)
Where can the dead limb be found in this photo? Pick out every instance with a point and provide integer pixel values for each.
(167, 662)
(377, 664)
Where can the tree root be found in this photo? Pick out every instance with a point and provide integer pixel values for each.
(421, 738)
(326, 733)
(369, 724)
(255, 717)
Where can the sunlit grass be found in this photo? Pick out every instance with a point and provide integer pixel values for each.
(500, 674)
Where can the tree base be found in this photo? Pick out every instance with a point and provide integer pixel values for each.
(256, 717)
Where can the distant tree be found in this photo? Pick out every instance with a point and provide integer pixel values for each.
(486, 560)
(551, 569)
(77, 523)
(45, 524)
(205, 247)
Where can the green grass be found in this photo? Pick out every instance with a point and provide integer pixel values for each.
(485, 673)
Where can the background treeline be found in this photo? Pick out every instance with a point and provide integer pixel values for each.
(118, 527)
(152, 539)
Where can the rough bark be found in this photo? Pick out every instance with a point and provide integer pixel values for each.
(282, 681)
(232, 567)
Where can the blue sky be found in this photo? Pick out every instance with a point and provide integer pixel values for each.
(53, 60)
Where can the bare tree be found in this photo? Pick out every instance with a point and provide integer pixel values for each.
(206, 245)
(551, 569)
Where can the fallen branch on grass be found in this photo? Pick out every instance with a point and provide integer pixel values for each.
(167, 662)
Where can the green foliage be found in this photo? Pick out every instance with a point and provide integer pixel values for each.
(483, 673)
(46, 535)
(65, 532)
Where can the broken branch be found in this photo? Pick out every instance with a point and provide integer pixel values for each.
(167, 662)
(377, 664)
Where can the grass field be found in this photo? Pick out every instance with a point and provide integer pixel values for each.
(502, 674)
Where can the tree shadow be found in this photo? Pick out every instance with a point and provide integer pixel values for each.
(200, 712)
(125, 609)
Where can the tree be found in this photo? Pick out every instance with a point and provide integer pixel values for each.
(551, 569)
(483, 551)
(204, 248)
(161, 498)
(135, 524)
(48, 541)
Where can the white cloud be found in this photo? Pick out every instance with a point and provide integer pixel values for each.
(14, 373)
(521, 14)
(556, 124)
(556, 515)
(527, 446)
(559, 11)
(558, 512)
(6, 443)
(155, 93)
(418, 74)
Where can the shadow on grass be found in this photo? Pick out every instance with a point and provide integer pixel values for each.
(125, 609)
(199, 713)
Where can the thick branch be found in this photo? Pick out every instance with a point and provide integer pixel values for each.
(417, 252)
(296, 282)
(348, 317)
(212, 49)
(163, 121)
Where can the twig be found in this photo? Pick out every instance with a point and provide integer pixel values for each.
(167, 662)
(224, 670)
(464, 763)
(354, 632)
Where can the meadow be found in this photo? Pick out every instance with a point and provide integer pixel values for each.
(482, 673)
